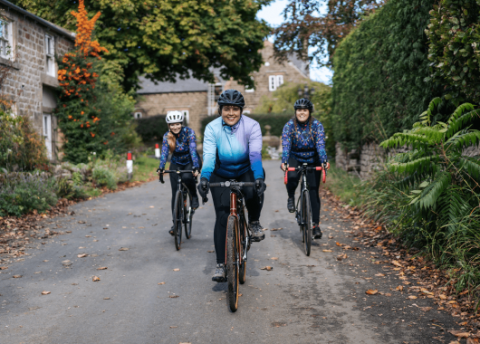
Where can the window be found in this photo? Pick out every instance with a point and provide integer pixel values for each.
(274, 82)
(137, 115)
(47, 134)
(250, 90)
(246, 111)
(50, 54)
(5, 39)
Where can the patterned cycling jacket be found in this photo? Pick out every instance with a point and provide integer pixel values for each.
(232, 151)
(305, 146)
(185, 151)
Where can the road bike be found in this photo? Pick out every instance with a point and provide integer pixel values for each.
(182, 210)
(238, 240)
(303, 208)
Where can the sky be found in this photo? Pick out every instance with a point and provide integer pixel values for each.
(272, 14)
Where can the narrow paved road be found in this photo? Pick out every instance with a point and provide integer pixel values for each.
(315, 299)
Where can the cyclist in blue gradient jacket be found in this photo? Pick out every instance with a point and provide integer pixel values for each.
(232, 149)
(181, 142)
(303, 141)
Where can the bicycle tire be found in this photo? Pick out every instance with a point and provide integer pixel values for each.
(243, 266)
(232, 266)
(177, 220)
(307, 218)
(187, 215)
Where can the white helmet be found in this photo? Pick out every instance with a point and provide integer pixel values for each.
(174, 117)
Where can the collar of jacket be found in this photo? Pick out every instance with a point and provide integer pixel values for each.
(233, 128)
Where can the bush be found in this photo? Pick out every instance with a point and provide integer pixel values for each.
(151, 129)
(25, 192)
(379, 84)
(104, 177)
(21, 148)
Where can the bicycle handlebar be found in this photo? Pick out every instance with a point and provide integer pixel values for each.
(306, 168)
(160, 177)
(229, 184)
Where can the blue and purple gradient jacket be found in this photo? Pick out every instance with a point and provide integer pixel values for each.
(237, 148)
(307, 145)
(185, 151)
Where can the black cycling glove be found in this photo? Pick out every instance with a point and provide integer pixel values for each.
(260, 186)
(203, 188)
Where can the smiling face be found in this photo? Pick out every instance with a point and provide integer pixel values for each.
(175, 127)
(302, 115)
(231, 114)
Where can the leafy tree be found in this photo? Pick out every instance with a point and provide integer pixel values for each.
(454, 34)
(165, 38)
(304, 28)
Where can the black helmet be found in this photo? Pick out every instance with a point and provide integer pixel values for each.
(303, 103)
(231, 97)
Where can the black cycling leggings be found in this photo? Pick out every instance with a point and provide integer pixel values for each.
(187, 178)
(313, 180)
(221, 202)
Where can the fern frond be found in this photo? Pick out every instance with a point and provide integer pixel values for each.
(434, 134)
(401, 139)
(464, 140)
(459, 111)
(427, 115)
(433, 191)
(471, 165)
(457, 124)
(419, 165)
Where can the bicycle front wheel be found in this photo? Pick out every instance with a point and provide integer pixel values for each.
(187, 214)
(308, 225)
(232, 263)
(243, 266)
(177, 220)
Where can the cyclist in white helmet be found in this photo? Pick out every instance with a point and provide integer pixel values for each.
(181, 142)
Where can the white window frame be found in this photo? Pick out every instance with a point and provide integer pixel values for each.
(250, 90)
(274, 82)
(50, 55)
(279, 80)
(137, 115)
(6, 39)
(47, 134)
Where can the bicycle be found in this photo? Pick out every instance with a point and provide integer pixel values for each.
(238, 240)
(182, 210)
(303, 208)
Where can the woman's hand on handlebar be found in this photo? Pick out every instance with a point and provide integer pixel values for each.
(327, 165)
(160, 171)
(195, 173)
(284, 167)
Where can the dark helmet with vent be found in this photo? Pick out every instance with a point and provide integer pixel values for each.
(231, 97)
(303, 103)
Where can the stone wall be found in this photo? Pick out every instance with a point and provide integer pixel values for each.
(27, 82)
(161, 103)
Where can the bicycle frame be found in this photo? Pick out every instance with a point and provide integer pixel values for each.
(237, 209)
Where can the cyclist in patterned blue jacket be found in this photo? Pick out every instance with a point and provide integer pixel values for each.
(232, 149)
(181, 142)
(303, 141)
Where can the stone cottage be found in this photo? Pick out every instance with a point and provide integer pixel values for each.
(28, 46)
(197, 99)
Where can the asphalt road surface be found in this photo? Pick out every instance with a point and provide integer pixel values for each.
(315, 299)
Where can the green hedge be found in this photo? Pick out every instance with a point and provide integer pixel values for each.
(380, 84)
(151, 129)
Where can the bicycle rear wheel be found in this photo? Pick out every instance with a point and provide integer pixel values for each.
(232, 266)
(187, 214)
(307, 220)
(177, 220)
(243, 266)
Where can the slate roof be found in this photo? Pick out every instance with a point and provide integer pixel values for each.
(187, 85)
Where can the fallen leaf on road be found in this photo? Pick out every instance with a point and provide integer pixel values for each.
(276, 229)
(443, 297)
(123, 249)
(311, 266)
(176, 269)
(268, 268)
(460, 334)
(161, 283)
(274, 258)
(3, 267)
(211, 251)
(396, 263)
(338, 244)
(240, 295)
(278, 324)
(264, 229)
(276, 211)
(380, 275)
(388, 294)
(17, 276)
(102, 268)
(371, 291)
(45, 292)
(472, 341)
(185, 343)
(425, 309)
(81, 222)
(95, 278)
(327, 250)
(412, 297)
(342, 256)
(81, 248)
(152, 206)
(173, 326)
(82, 255)
(272, 235)
(173, 296)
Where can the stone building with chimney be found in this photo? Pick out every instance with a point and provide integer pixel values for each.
(197, 99)
(28, 47)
